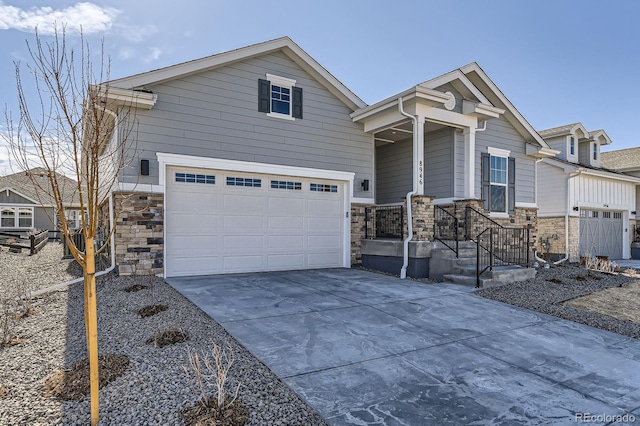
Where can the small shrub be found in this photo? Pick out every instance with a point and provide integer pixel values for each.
(151, 310)
(600, 263)
(167, 337)
(215, 367)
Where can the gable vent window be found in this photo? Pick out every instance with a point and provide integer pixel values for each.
(595, 151)
(239, 181)
(572, 146)
(321, 187)
(193, 178)
(281, 184)
(279, 97)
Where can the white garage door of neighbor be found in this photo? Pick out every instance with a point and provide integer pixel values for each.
(601, 233)
(223, 222)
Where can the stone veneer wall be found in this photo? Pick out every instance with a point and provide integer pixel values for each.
(357, 231)
(139, 233)
(422, 212)
(552, 229)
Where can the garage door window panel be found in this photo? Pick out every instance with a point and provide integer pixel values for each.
(242, 181)
(195, 178)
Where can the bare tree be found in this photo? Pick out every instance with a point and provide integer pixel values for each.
(76, 127)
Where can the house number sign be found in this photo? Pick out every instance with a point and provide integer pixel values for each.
(420, 172)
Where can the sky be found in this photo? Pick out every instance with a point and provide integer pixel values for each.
(558, 61)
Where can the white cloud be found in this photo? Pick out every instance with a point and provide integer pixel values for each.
(154, 54)
(88, 17)
(135, 33)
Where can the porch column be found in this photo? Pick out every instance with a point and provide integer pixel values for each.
(469, 162)
(418, 154)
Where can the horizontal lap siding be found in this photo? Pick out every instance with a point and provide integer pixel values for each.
(215, 114)
(12, 198)
(552, 190)
(501, 134)
(394, 166)
(438, 163)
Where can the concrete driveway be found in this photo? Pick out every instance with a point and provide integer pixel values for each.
(364, 348)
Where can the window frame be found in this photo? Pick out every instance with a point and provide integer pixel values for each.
(17, 210)
(572, 146)
(496, 184)
(595, 151)
(281, 82)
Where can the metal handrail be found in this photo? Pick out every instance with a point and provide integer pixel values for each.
(443, 222)
(498, 245)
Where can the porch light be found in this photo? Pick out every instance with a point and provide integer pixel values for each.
(576, 208)
(365, 185)
(144, 167)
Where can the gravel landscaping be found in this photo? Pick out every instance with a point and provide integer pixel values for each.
(552, 287)
(154, 389)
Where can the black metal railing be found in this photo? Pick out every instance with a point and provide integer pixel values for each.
(500, 246)
(446, 227)
(476, 223)
(384, 222)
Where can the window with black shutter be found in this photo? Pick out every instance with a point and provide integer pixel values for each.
(279, 97)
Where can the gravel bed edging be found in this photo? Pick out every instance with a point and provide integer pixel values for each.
(542, 295)
(154, 389)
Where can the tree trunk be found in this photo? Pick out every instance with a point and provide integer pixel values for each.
(91, 321)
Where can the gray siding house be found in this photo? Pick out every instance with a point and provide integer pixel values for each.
(26, 206)
(585, 207)
(259, 159)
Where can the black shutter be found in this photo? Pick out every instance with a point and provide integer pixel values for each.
(297, 102)
(264, 95)
(511, 197)
(485, 164)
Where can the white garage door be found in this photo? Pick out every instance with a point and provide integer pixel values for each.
(601, 233)
(223, 222)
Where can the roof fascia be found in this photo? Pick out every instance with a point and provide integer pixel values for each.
(568, 168)
(609, 175)
(568, 131)
(288, 46)
(451, 76)
(8, 188)
(595, 134)
(429, 96)
(506, 103)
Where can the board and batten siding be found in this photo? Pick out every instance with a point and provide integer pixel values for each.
(10, 197)
(215, 114)
(552, 190)
(501, 134)
(596, 192)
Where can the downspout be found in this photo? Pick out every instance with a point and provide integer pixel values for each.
(405, 247)
(566, 222)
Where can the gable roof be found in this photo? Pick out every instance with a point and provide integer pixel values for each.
(570, 167)
(622, 159)
(577, 129)
(481, 80)
(21, 184)
(283, 44)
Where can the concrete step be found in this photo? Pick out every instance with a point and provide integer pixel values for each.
(468, 269)
(462, 261)
(466, 280)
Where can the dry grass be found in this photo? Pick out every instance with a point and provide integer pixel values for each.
(618, 302)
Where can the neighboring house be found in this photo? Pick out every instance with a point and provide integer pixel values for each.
(626, 161)
(23, 206)
(585, 208)
(259, 159)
